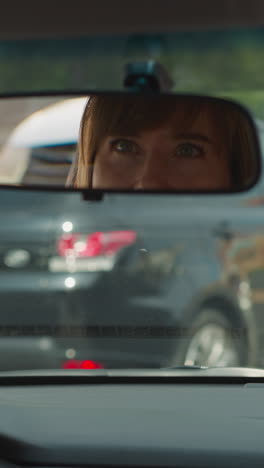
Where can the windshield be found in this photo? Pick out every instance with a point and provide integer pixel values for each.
(132, 281)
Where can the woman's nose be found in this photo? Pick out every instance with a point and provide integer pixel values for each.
(149, 184)
(151, 176)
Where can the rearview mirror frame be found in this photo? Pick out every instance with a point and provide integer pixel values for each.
(94, 194)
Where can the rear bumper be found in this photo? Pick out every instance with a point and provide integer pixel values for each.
(25, 353)
(18, 353)
(39, 316)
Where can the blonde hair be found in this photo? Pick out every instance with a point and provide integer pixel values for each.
(127, 115)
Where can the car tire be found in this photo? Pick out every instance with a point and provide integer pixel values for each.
(213, 341)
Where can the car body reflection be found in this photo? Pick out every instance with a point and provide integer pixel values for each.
(179, 279)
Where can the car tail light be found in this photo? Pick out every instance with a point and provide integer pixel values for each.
(79, 364)
(95, 244)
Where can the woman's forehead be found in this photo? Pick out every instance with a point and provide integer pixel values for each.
(202, 124)
(199, 123)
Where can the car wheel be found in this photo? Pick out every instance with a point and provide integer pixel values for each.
(211, 342)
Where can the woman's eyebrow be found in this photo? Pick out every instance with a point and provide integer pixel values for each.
(125, 135)
(193, 136)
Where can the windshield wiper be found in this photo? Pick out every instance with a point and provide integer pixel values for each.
(184, 367)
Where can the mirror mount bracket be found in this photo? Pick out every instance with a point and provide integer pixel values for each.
(92, 195)
(148, 76)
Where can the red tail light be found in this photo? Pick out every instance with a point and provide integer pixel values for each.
(78, 364)
(96, 244)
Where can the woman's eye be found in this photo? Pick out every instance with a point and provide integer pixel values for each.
(124, 146)
(189, 150)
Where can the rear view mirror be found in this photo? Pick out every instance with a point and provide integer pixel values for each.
(128, 142)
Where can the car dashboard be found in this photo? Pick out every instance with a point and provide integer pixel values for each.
(171, 422)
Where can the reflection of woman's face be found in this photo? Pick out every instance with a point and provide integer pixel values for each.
(165, 158)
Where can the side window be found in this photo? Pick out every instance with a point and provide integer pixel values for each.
(49, 164)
